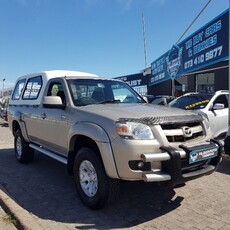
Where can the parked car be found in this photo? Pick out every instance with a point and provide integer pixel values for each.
(3, 107)
(227, 142)
(159, 99)
(104, 132)
(213, 106)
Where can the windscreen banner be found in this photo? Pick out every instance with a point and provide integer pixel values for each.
(207, 46)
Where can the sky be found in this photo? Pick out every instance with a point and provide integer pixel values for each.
(103, 37)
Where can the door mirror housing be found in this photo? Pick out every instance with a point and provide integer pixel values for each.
(218, 106)
(53, 102)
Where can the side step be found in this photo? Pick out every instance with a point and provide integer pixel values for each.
(49, 153)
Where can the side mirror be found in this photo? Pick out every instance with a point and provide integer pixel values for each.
(53, 102)
(145, 98)
(218, 106)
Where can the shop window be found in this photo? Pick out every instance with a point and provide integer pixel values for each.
(142, 90)
(181, 85)
(205, 83)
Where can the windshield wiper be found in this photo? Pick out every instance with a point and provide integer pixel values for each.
(109, 101)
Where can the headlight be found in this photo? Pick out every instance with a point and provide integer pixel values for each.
(134, 130)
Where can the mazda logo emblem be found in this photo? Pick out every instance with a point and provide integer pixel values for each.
(187, 132)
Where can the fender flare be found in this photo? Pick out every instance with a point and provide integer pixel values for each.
(101, 138)
(17, 117)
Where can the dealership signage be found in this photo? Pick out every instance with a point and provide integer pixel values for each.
(205, 47)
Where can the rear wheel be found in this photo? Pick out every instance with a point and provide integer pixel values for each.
(23, 152)
(94, 187)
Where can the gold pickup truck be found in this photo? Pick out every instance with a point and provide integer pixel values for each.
(105, 132)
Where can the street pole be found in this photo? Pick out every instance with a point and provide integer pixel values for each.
(3, 87)
(229, 62)
(144, 37)
(173, 85)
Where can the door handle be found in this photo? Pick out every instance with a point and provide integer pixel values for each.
(43, 116)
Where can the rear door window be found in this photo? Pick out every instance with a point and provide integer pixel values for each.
(33, 88)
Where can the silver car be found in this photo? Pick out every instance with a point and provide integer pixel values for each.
(104, 132)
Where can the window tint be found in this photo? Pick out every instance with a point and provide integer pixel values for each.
(222, 99)
(95, 91)
(56, 89)
(18, 89)
(33, 88)
(191, 102)
(123, 94)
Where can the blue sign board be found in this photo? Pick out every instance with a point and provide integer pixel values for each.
(205, 47)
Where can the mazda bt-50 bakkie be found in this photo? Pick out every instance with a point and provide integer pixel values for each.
(105, 132)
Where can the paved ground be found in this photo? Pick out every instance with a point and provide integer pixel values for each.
(42, 196)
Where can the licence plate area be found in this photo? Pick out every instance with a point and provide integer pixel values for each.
(201, 153)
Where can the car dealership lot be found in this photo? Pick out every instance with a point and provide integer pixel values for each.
(36, 195)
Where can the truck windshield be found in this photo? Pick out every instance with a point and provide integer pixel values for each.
(100, 91)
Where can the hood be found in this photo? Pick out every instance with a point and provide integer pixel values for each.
(141, 112)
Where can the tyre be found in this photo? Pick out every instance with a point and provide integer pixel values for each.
(94, 187)
(23, 152)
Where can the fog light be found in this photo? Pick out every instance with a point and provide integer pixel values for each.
(140, 164)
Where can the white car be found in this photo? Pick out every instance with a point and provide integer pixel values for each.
(213, 106)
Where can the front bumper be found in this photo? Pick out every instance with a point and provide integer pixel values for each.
(176, 168)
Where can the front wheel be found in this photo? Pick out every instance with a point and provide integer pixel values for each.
(94, 187)
(23, 152)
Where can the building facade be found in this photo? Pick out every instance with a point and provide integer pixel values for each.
(197, 64)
